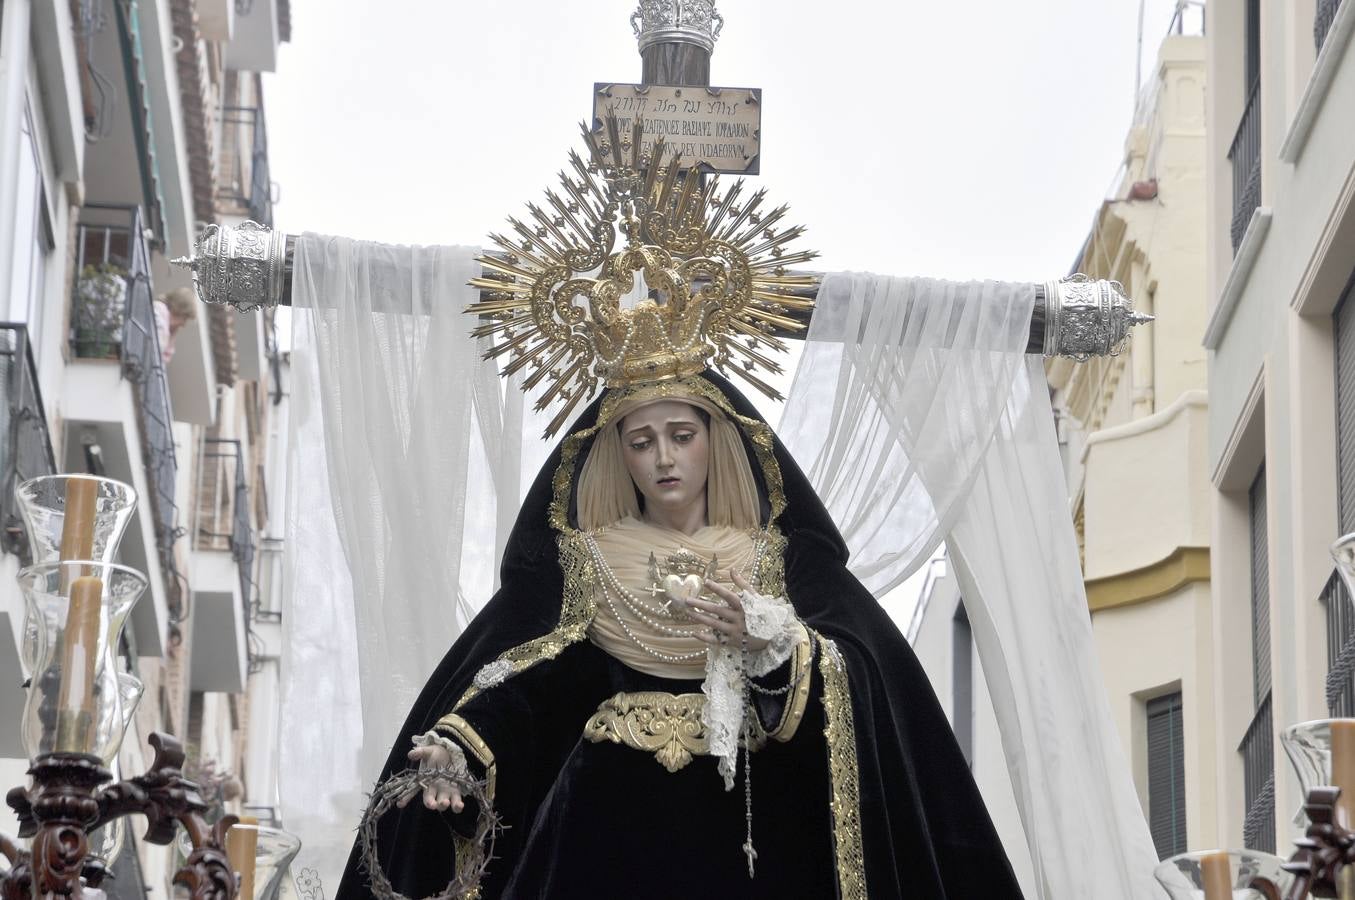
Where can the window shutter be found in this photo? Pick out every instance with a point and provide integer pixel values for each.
(1260, 588)
(1345, 410)
(1166, 776)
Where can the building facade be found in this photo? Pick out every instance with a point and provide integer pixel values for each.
(940, 635)
(1134, 432)
(125, 126)
(1280, 251)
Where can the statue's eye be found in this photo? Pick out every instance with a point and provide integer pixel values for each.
(639, 445)
(683, 437)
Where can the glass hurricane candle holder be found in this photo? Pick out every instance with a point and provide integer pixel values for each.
(99, 509)
(75, 703)
(106, 843)
(273, 852)
(1343, 554)
(1323, 753)
(70, 517)
(1220, 874)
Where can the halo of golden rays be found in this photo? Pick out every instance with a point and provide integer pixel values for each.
(717, 265)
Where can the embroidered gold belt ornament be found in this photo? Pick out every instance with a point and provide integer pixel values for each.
(667, 725)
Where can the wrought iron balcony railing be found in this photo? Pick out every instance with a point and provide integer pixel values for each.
(24, 438)
(113, 317)
(224, 510)
(1258, 767)
(1245, 155)
(249, 186)
(1340, 649)
(1323, 15)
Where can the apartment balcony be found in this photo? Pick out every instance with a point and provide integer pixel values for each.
(1340, 686)
(25, 452)
(25, 442)
(223, 569)
(260, 25)
(1245, 156)
(1324, 13)
(117, 399)
(247, 188)
(1258, 767)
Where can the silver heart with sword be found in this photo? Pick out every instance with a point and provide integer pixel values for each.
(680, 578)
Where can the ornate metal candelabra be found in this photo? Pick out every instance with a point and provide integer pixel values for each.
(79, 707)
(71, 797)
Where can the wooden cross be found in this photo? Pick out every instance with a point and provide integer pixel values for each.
(250, 266)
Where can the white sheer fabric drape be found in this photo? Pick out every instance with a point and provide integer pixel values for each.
(914, 409)
(401, 439)
(919, 419)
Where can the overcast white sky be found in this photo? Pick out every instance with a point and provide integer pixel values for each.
(953, 139)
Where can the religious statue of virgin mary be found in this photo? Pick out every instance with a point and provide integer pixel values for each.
(674, 597)
(683, 681)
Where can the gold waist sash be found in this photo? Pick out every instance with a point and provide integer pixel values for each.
(667, 725)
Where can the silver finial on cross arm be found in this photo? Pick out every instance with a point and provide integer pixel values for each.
(677, 22)
(1085, 318)
(238, 265)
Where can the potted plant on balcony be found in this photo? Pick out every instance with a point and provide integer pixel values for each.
(100, 310)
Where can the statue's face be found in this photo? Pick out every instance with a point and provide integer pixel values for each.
(666, 446)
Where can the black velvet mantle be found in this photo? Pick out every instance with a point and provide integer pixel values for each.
(602, 820)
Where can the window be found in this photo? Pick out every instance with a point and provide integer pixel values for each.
(1340, 620)
(32, 236)
(962, 680)
(1245, 151)
(1258, 745)
(1252, 61)
(1260, 589)
(1343, 326)
(1166, 776)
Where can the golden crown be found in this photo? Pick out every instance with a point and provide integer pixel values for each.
(719, 290)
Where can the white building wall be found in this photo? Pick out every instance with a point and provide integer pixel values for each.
(40, 84)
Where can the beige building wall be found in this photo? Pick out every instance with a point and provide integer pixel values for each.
(1134, 429)
(1273, 286)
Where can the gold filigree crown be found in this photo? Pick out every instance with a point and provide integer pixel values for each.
(719, 290)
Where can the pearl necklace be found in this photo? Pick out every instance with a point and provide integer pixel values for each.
(612, 589)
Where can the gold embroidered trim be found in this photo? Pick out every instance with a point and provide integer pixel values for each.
(466, 735)
(463, 847)
(798, 697)
(577, 608)
(667, 725)
(840, 732)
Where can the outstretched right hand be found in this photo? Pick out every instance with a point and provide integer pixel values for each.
(438, 795)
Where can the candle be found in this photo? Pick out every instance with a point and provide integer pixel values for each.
(79, 662)
(1216, 876)
(242, 843)
(1343, 768)
(77, 528)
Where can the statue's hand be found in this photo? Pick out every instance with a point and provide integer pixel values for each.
(725, 622)
(440, 794)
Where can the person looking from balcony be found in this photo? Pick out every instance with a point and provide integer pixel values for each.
(173, 309)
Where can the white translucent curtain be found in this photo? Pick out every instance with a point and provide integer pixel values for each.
(919, 419)
(401, 441)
